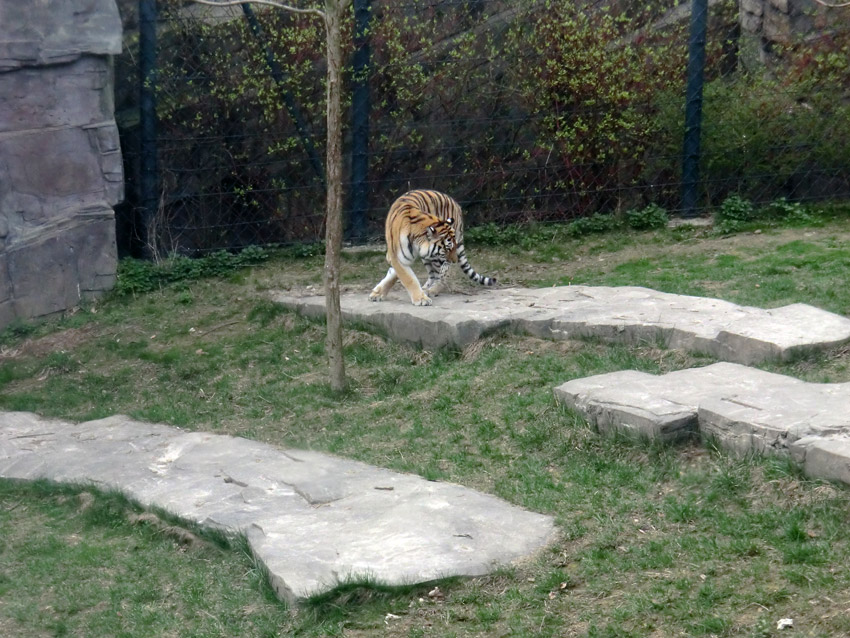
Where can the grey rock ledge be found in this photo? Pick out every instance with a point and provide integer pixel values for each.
(312, 519)
(744, 409)
(631, 315)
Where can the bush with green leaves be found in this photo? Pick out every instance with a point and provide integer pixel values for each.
(737, 213)
(231, 133)
(596, 223)
(540, 111)
(136, 276)
(575, 105)
(768, 136)
(789, 213)
(651, 217)
(734, 214)
(591, 98)
(514, 236)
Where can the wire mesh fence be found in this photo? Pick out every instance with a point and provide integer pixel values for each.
(540, 111)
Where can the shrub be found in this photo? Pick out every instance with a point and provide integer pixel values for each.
(596, 223)
(136, 276)
(734, 213)
(652, 217)
(787, 212)
(492, 234)
(592, 98)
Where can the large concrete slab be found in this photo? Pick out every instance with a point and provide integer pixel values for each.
(631, 315)
(312, 519)
(744, 409)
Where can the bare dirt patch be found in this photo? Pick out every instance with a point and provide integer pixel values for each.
(63, 341)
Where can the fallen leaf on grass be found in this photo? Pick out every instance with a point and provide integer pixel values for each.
(436, 594)
(561, 588)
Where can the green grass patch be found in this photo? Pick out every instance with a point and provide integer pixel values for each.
(655, 540)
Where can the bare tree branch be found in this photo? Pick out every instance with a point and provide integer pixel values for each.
(829, 5)
(270, 3)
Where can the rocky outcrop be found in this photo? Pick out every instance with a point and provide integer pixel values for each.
(60, 160)
(623, 314)
(744, 410)
(766, 23)
(312, 520)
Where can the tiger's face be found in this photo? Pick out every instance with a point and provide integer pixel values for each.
(442, 234)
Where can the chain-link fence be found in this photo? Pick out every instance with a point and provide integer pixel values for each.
(536, 111)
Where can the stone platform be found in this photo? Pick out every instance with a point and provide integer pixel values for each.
(744, 409)
(630, 315)
(312, 519)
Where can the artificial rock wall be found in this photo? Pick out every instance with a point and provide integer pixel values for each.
(766, 23)
(60, 160)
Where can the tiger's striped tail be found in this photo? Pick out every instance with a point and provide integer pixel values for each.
(469, 271)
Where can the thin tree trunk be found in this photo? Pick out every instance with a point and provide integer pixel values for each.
(332, 17)
(333, 220)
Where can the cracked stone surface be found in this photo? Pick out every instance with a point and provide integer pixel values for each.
(631, 315)
(744, 409)
(312, 519)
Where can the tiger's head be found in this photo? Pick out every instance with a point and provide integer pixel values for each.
(441, 235)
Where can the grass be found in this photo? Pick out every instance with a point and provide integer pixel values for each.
(73, 564)
(656, 540)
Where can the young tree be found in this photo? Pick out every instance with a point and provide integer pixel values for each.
(332, 18)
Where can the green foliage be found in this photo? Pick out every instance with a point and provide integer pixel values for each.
(488, 234)
(706, 543)
(17, 329)
(760, 132)
(652, 217)
(216, 94)
(303, 250)
(596, 223)
(789, 213)
(593, 96)
(576, 106)
(734, 214)
(544, 108)
(491, 234)
(136, 276)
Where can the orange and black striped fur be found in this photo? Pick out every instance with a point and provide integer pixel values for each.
(427, 225)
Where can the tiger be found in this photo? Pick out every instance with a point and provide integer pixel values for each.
(426, 224)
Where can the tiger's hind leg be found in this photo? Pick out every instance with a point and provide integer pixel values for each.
(380, 291)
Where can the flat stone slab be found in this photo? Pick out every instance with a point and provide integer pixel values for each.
(312, 519)
(743, 409)
(631, 315)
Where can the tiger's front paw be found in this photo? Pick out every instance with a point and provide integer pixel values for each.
(375, 296)
(425, 300)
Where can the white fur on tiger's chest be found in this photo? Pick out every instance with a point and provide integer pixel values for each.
(408, 251)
